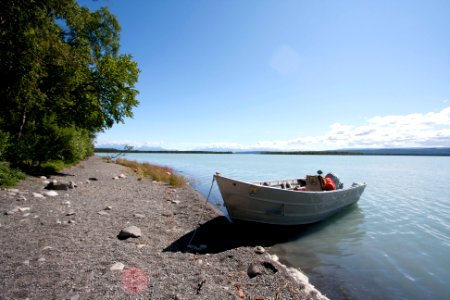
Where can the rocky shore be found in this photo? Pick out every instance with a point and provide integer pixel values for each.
(97, 232)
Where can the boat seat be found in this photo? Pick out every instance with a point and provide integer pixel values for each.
(313, 183)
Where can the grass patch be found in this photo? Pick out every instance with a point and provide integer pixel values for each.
(9, 176)
(158, 173)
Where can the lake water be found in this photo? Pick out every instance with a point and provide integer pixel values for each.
(393, 244)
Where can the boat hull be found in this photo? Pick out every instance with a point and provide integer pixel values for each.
(265, 204)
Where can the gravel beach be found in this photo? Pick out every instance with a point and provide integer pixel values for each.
(124, 238)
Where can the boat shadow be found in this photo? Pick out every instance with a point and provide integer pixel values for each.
(219, 235)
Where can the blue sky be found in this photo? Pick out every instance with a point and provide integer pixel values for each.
(289, 75)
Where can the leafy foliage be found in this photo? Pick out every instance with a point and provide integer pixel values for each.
(63, 79)
(9, 176)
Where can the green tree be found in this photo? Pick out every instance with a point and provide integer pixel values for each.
(63, 78)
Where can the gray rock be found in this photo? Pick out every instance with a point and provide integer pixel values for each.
(51, 193)
(259, 250)
(11, 212)
(37, 195)
(130, 231)
(102, 213)
(139, 216)
(117, 266)
(254, 269)
(75, 297)
(58, 186)
(70, 213)
(21, 198)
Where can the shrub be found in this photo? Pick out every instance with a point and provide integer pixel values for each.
(4, 143)
(9, 176)
(158, 173)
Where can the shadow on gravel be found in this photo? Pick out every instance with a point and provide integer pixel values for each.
(219, 234)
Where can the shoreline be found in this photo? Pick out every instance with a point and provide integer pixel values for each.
(67, 246)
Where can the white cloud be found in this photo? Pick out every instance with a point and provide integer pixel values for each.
(413, 130)
(121, 143)
(285, 60)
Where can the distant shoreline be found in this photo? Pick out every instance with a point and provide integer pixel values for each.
(382, 152)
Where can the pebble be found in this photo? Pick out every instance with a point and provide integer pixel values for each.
(117, 266)
(259, 250)
(70, 213)
(108, 208)
(75, 297)
(131, 231)
(21, 198)
(42, 259)
(139, 216)
(51, 193)
(17, 209)
(102, 213)
(37, 195)
(122, 176)
(10, 212)
(254, 269)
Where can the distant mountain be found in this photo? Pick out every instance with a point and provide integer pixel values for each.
(122, 146)
(353, 151)
(401, 151)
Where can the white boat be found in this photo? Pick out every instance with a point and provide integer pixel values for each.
(285, 202)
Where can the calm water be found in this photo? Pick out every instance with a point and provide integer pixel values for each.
(393, 244)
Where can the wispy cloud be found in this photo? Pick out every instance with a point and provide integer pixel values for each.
(121, 143)
(413, 130)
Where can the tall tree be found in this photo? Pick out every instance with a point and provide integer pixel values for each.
(63, 77)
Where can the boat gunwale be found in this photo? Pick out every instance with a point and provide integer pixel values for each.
(260, 184)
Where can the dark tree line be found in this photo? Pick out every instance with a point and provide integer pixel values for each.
(62, 79)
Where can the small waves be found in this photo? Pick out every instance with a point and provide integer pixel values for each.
(396, 240)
